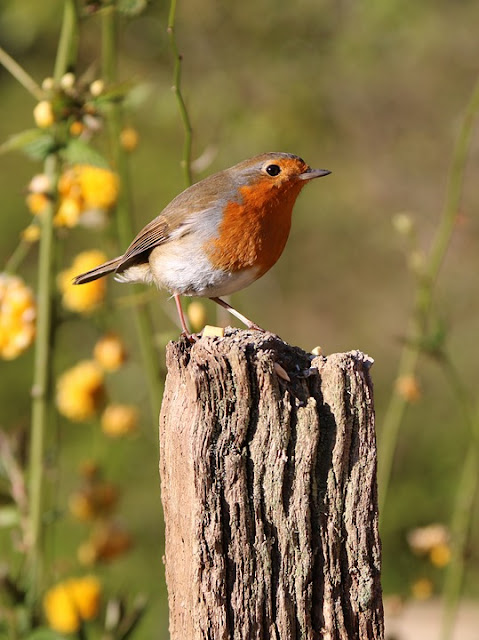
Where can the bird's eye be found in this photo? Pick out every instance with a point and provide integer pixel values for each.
(273, 170)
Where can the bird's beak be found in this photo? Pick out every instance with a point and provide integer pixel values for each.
(310, 174)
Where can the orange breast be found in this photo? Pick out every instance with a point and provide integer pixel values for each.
(254, 231)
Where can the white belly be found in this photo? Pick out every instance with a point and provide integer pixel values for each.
(194, 276)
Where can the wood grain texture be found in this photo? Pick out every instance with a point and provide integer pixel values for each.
(269, 492)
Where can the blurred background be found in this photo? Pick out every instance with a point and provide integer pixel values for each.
(375, 92)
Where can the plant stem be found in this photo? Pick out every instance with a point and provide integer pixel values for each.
(68, 42)
(460, 528)
(466, 493)
(20, 74)
(424, 296)
(18, 256)
(41, 388)
(186, 162)
(42, 370)
(124, 207)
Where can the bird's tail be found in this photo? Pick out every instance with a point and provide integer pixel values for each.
(98, 272)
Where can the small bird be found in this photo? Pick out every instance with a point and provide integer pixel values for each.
(219, 235)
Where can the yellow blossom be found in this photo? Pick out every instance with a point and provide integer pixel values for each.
(37, 203)
(196, 315)
(119, 420)
(68, 213)
(80, 391)
(48, 84)
(85, 189)
(109, 352)
(71, 601)
(43, 114)
(76, 128)
(408, 388)
(440, 555)
(403, 223)
(422, 589)
(97, 87)
(86, 297)
(67, 81)
(98, 187)
(129, 138)
(17, 316)
(31, 233)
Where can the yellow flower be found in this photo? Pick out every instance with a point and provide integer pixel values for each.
(119, 420)
(99, 187)
(17, 316)
(76, 128)
(37, 203)
(408, 388)
(196, 315)
(97, 87)
(422, 589)
(70, 602)
(68, 213)
(67, 81)
(85, 189)
(80, 391)
(129, 138)
(31, 233)
(86, 297)
(109, 352)
(43, 114)
(440, 555)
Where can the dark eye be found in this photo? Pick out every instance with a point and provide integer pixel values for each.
(273, 169)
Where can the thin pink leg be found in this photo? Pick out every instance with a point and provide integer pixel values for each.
(240, 316)
(182, 317)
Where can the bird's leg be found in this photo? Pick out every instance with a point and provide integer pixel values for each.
(244, 320)
(186, 333)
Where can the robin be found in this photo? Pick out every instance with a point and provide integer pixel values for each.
(219, 235)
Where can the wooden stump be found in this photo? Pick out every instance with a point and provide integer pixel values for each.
(269, 492)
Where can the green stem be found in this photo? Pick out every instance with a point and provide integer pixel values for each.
(42, 369)
(186, 162)
(18, 256)
(124, 207)
(41, 387)
(460, 529)
(20, 74)
(68, 42)
(461, 520)
(424, 296)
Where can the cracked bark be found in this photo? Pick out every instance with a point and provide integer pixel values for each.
(269, 492)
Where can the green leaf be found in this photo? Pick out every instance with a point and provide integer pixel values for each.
(132, 7)
(114, 93)
(80, 152)
(21, 140)
(41, 147)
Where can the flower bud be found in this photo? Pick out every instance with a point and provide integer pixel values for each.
(43, 114)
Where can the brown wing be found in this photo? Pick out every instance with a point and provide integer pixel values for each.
(175, 219)
(155, 233)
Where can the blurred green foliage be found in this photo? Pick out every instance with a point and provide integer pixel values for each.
(371, 91)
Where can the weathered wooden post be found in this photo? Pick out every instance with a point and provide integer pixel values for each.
(269, 492)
